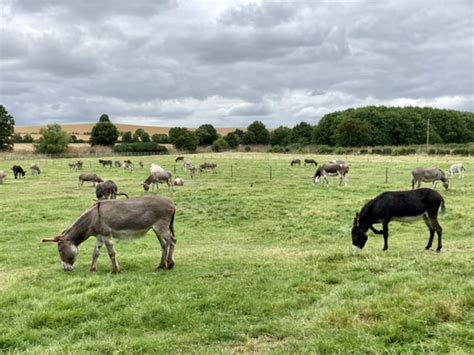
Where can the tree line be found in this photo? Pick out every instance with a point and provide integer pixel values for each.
(366, 126)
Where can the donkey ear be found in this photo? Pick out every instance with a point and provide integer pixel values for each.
(356, 219)
(52, 240)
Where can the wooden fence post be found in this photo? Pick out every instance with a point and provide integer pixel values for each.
(386, 175)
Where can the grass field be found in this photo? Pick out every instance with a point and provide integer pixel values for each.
(261, 265)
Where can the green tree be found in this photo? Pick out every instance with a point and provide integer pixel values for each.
(53, 140)
(127, 137)
(260, 132)
(7, 127)
(141, 136)
(17, 138)
(249, 138)
(160, 138)
(187, 141)
(104, 132)
(280, 136)
(27, 138)
(352, 132)
(323, 133)
(220, 145)
(239, 133)
(301, 133)
(104, 118)
(232, 139)
(206, 134)
(176, 132)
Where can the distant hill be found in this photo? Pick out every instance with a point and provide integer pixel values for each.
(82, 131)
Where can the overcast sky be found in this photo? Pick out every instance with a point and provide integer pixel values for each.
(230, 62)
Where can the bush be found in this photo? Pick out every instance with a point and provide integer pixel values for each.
(403, 151)
(278, 149)
(220, 145)
(387, 151)
(247, 149)
(460, 151)
(140, 147)
(339, 151)
(431, 151)
(363, 151)
(376, 151)
(53, 140)
(325, 149)
(444, 151)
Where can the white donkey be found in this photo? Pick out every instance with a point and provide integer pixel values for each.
(457, 168)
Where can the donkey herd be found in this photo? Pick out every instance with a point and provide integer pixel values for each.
(133, 217)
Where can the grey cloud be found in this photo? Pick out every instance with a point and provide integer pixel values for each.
(270, 14)
(88, 9)
(187, 63)
(251, 109)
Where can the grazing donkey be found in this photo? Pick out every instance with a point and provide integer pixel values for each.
(35, 169)
(121, 219)
(105, 162)
(117, 163)
(403, 206)
(180, 158)
(326, 170)
(457, 168)
(190, 167)
(18, 171)
(155, 179)
(155, 168)
(295, 162)
(127, 167)
(89, 177)
(310, 162)
(205, 167)
(108, 191)
(428, 175)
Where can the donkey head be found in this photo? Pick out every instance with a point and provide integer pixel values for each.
(359, 236)
(68, 251)
(446, 183)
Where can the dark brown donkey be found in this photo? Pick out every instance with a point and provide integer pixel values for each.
(402, 206)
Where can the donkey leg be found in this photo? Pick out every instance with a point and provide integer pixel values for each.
(385, 236)
(439, 231)
(161, 235)
(112, 254)
(96, 254)
(432, 232)
(170, 259)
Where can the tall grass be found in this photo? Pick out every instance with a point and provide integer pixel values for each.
(262, 265)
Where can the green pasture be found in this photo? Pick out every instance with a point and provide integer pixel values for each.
(262, 265)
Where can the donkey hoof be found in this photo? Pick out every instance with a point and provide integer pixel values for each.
(439, 250)
(93, 269)
(170, 266)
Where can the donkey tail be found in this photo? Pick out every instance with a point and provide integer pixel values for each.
(172, 226)
(443, 207)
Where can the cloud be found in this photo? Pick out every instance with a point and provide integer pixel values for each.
(230, 62)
